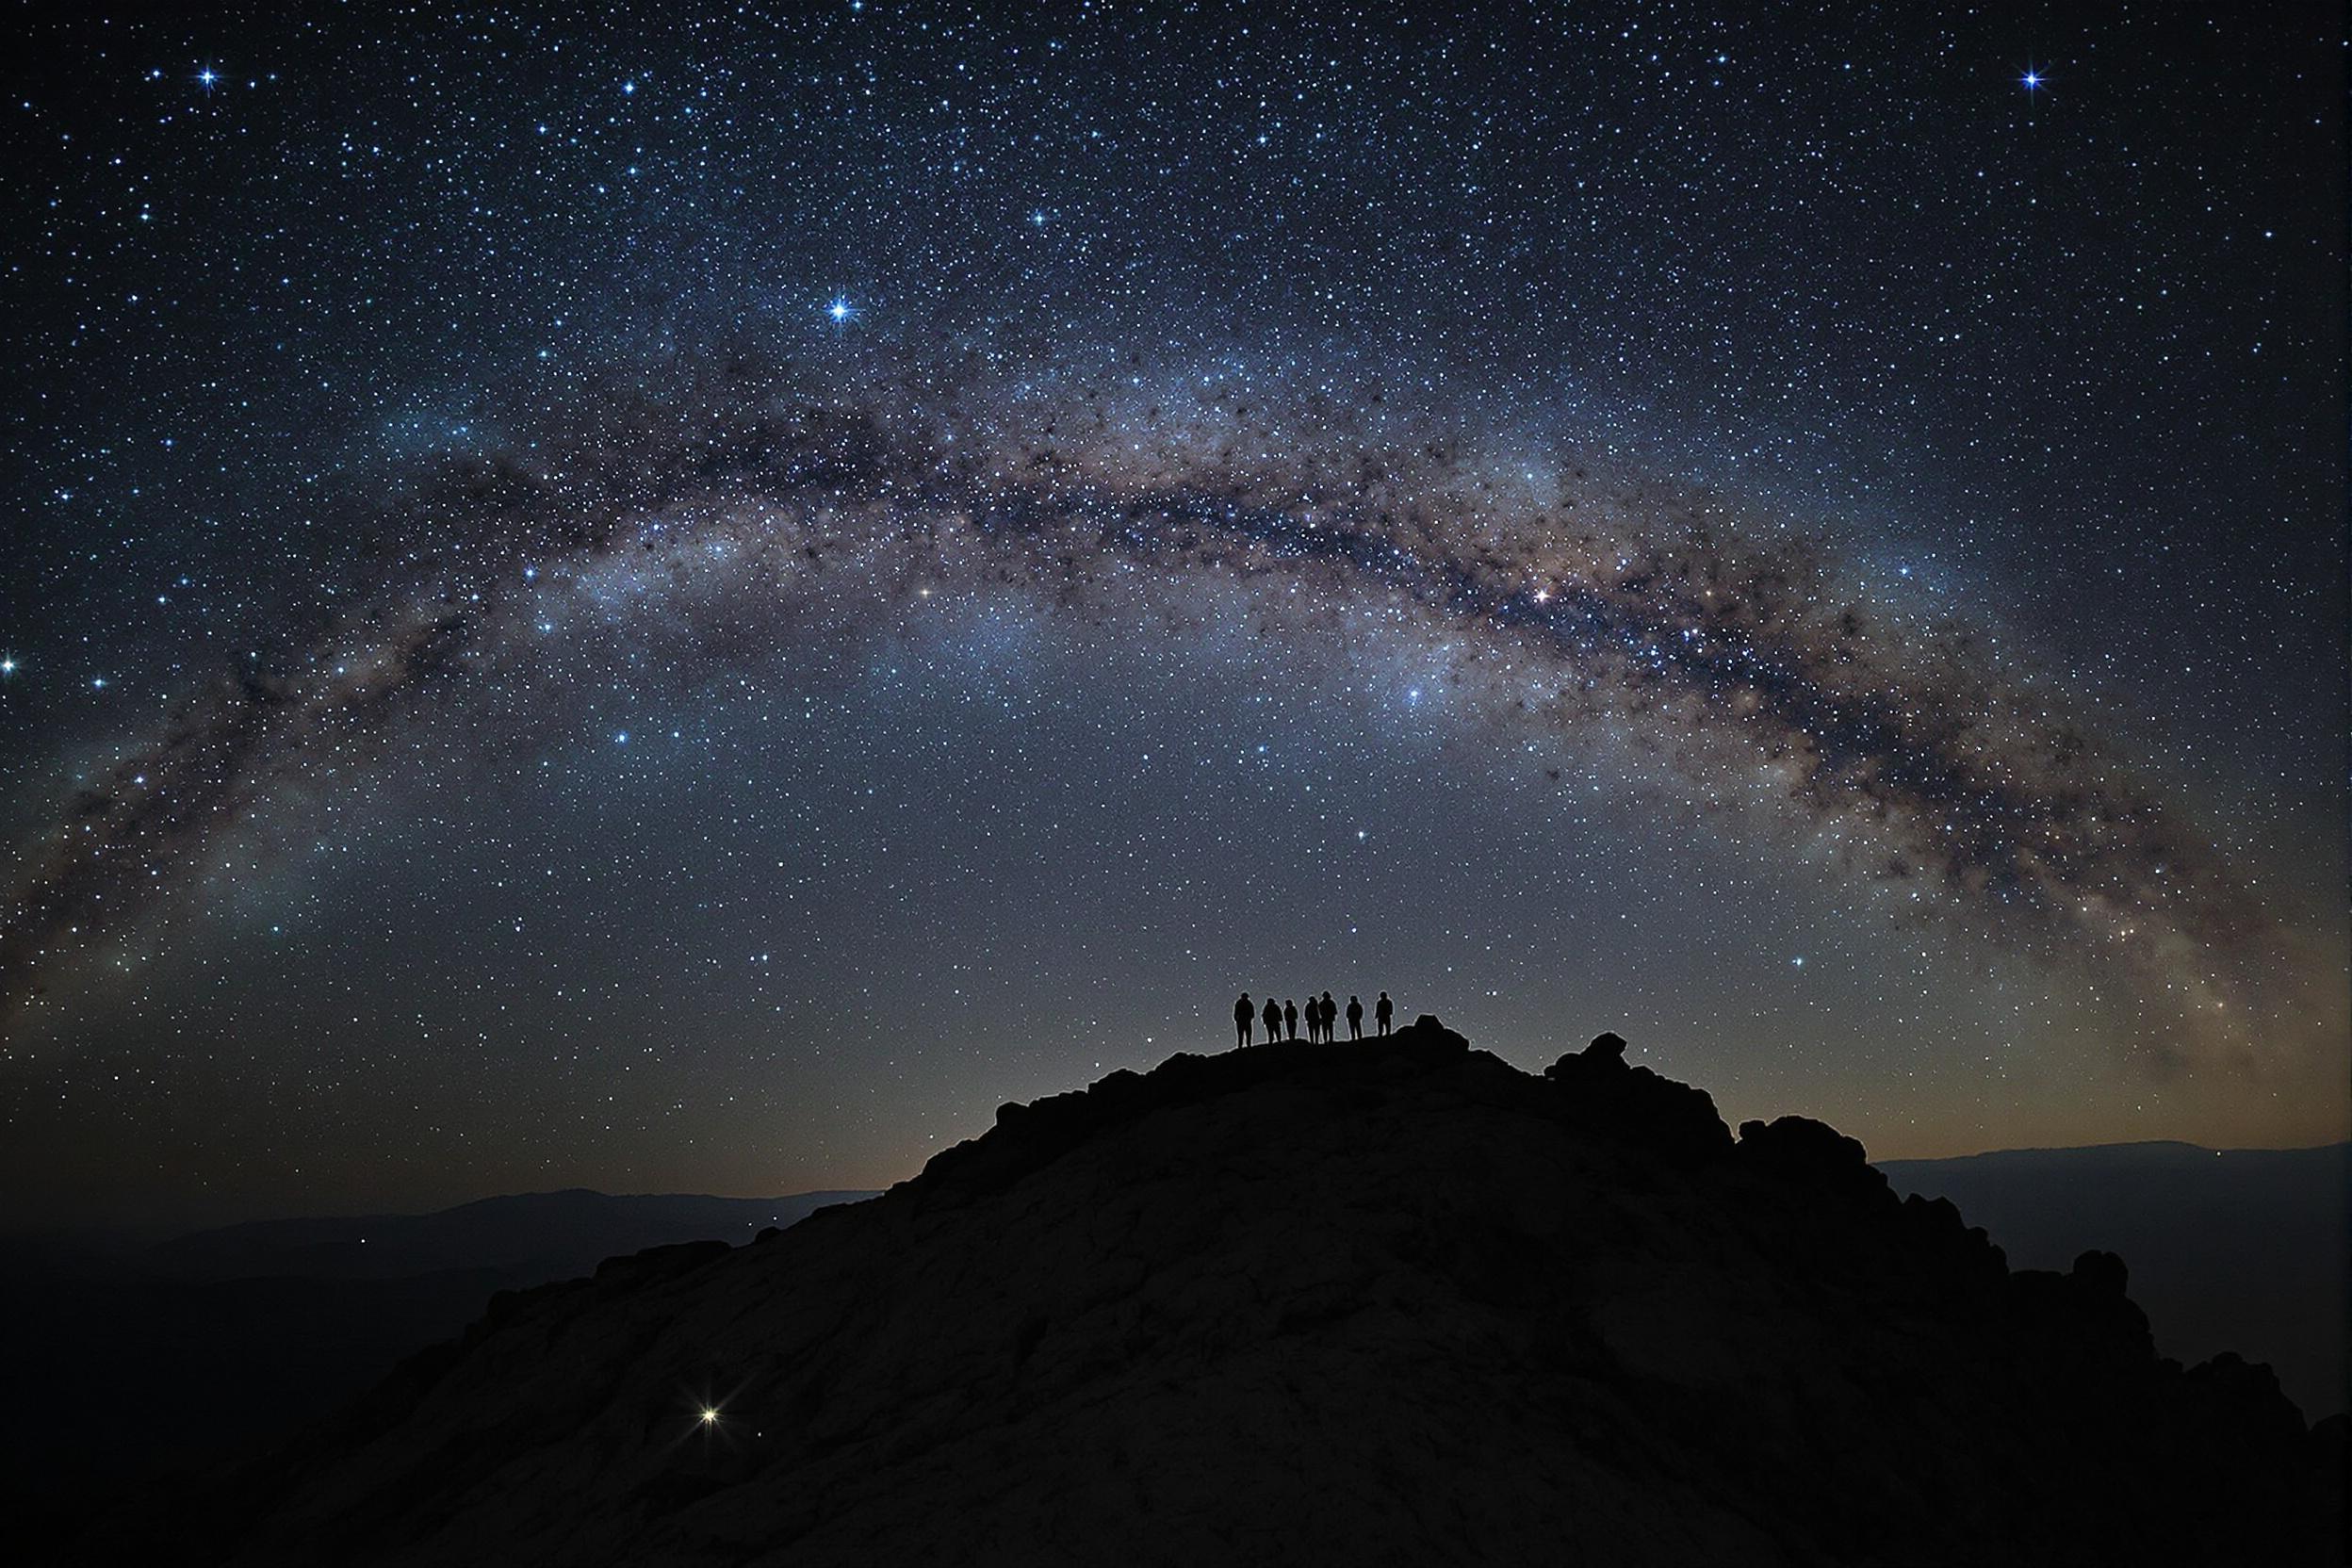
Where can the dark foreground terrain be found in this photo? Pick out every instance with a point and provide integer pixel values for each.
(1395, 1302)
(125, 1363)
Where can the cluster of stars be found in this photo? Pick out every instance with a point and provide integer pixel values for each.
(1017, 521)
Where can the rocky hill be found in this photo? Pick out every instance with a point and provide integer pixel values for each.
(1388, 1302)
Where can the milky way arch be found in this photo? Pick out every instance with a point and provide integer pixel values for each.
(725, 493)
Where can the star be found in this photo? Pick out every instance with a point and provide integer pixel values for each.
(1215, 466)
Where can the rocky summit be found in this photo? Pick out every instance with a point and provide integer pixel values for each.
(1393, 1301)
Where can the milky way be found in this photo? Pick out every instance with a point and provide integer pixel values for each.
(732, 498)
(693, 601)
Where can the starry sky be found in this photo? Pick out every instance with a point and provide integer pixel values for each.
(692, 598)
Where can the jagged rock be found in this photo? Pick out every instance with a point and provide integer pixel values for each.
(1387, 1302)
(1808, 1149)
(2104, 1273)
(1608, 1047)
(1616, 1101)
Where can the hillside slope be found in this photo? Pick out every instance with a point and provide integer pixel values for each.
(1394, 1302)
(125, 1365)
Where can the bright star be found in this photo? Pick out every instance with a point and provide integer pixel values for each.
(839, 310)
(621, 739)
(709, 1416)
(8, 666)
(1037, 218)
(2031, 80)
(206, 78)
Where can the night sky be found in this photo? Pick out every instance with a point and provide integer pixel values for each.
(694, 600)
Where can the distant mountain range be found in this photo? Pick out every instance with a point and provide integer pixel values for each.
(2242, 1250)
(534, 1236)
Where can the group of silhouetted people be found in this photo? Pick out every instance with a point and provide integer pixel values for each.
(1322, 1015)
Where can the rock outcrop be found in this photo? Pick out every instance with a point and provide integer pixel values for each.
(1385, 1303)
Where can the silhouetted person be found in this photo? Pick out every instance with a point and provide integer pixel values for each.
(1290, 1016)
(1355, 1017)
(1328, 1011)
(1382, 1011)
(1273, 1020)
(1244, 1014)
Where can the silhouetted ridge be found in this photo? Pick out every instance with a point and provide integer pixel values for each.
(1390, 1302)
(1603, 1095)
(2239, 1249)
(1028, 1137)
